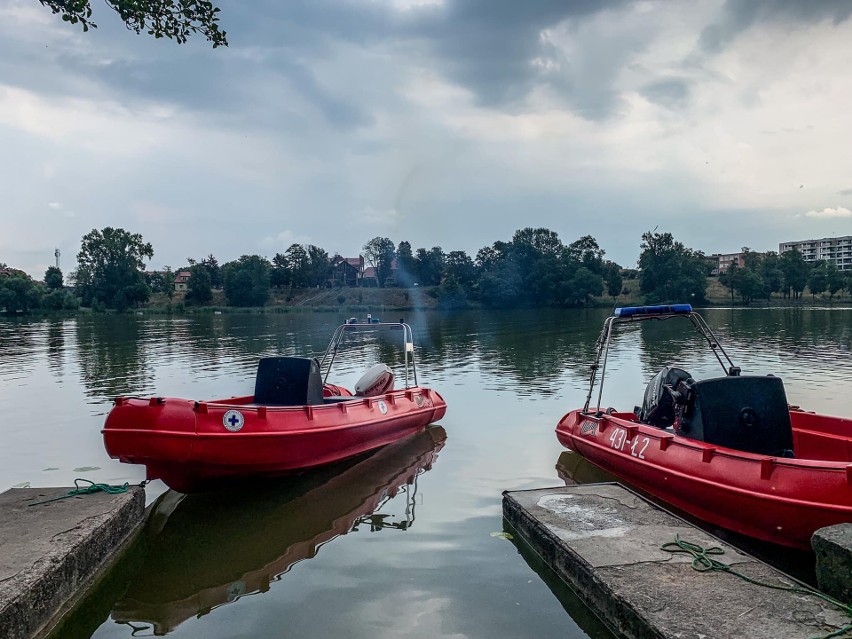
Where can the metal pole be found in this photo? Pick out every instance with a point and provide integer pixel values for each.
(606, 354)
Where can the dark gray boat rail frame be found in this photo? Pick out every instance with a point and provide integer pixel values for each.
(632, 314)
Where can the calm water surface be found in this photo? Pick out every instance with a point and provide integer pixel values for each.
(402, 542)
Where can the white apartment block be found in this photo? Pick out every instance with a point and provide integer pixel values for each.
(830, 249)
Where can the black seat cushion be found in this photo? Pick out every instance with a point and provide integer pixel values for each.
(288, 381)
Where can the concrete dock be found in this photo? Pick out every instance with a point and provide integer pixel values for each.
(52, 552)
(604, 542)
(833, 549)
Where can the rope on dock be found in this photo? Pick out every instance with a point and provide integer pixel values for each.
(87, 490)
(703, 562)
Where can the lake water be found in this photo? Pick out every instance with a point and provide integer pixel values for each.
(407, 541)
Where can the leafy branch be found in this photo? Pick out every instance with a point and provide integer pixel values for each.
(175, 19)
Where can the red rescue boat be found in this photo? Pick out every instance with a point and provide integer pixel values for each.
(728, 450)
(295, 420)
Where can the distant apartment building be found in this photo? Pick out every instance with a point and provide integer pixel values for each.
(830, 249)
(725, 260)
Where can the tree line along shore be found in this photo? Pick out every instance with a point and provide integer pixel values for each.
(535, 268)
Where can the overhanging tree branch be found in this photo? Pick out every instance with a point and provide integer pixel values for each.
(175, 19)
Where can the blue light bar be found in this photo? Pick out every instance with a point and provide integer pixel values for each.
(672, 309)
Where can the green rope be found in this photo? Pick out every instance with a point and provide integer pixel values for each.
(702, 561)
(86, 490)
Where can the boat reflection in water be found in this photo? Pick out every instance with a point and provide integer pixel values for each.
(574, 469)
(210, 549)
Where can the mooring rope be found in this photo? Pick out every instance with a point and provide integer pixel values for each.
(703, 562)
(88, 490)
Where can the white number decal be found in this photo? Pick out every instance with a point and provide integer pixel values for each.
(645, 442)
(617, 439)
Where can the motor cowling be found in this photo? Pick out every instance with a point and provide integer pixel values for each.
(658, 406)
(376, 381)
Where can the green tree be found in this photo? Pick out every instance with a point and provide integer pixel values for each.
(247, 281)
(54, 300)
(110, 268)
(406, 265)
(53, 278)
(280, 276)
(298, 266)
(451, 295)
(213, 270)
(751, 259)
(584, 285)
(459, 266)
(612, 278)
(529, 246)
(380, 252)
(488, 257)
(834, 280)
(175, 19)
(319, 268)
(669, 271)
(549, 282)
(541, 261)
(588, 253)
(199, 288)
(501, 286)
(162, 281)
(430, 265)
(19, 294)
(794, 271)
(728, 277)
(770, 271)
(818, 280)
(59, 300)
(747, 283)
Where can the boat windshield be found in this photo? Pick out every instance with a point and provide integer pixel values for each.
(367, 327)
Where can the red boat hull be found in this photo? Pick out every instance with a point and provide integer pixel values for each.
(779, 500)
(189, 447)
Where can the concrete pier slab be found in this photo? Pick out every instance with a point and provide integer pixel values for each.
(833, 548)
(50, 553)
(604, 542)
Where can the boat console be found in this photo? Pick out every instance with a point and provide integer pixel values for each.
(288, 381)
(747, 413)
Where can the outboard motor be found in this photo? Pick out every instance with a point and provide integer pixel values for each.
(376, 381)
(658, 407)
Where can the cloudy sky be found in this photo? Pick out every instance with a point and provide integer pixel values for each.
(440, 122)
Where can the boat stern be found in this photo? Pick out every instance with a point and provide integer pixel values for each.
(439, 404)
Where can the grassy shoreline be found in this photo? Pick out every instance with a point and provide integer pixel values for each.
(393, 300)
(360, 301)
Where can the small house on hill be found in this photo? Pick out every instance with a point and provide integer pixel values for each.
(370, 277)
(346, 271)
(182, 280)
